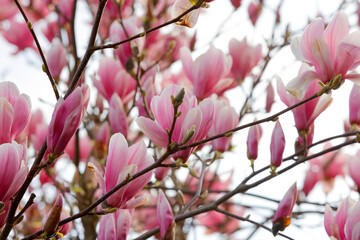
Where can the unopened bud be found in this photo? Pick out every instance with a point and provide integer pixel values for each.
(18, 220)
(129, 65)
(29, 25)
(192, 172)
(204, 194)
(53, 220)
(189, 135)
(177, 101)
(335, 82)
(181, 197)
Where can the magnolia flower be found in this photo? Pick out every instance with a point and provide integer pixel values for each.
(305, 114)
(14, 112)
(270, 94)
(123, 161)
(353, 165)
(13, 169)
(225, 118)
(117, 116)
(208, 72)
(18, 34)
(331, 51)
(282, 215)
(114, 79)
(277, 146)
(179, 7)
(245, 57)
(85, 148)
(354, 105)
(66, 119)
(192, 125)
(335, 226)
(56, 58)
(252, 142)
(165, 217)
(115, 225)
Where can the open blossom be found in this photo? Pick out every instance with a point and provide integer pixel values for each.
(7, 9)
(115, 226)
(194, 118)
(282, 215)
(66, 119)
(335, 226)
(208, 72)
(121, 162)
(353, 165)
(18, 34)
(14, 112)
(13, 169)
(179, 7)
(354, 105)
(165, 217)
(305, 114)
(321, 170)
(114, 79)
(245, 57)
(331, 51)
(225, 118)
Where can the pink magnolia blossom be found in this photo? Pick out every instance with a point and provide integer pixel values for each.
(208, 72)
(225, 118)
(245, 57)
(270, 94)
(331, 51)
(165, 216)
(66, 118)
(252, 142)
(117, 33)
(354, 105)
(7, 9)
(335, 226)
(14, 112)
(13, 169)
(194, 117)
(102, 141)
(65, 6)
(85, 148)
(117, 116)
(282, 215)
(121, 162)
(305, 114)
(19, 35)
(51, 30)
(254, 11)
(236, 3)
(321, 170)
(216, 222)
(352, 225)
(149, 90)
(39, 136)
(115, 226)
(56, 58)
(353, 165)
(179, 7)
(114, 79)
(277, 145)
(161, 172)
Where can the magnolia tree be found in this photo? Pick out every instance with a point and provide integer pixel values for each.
(139, 143)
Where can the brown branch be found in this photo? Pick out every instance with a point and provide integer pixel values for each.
(46, 67)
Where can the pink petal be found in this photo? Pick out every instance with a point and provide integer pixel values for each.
(313, 31)
(117, 116)
(117, 159)
(153, 131)
(335, 31)
(298, 86)
(164, 214)
(99, 177)
(324, 63)
(6, 120)
(123, 224)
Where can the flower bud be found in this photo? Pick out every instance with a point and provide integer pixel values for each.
(53, 220)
